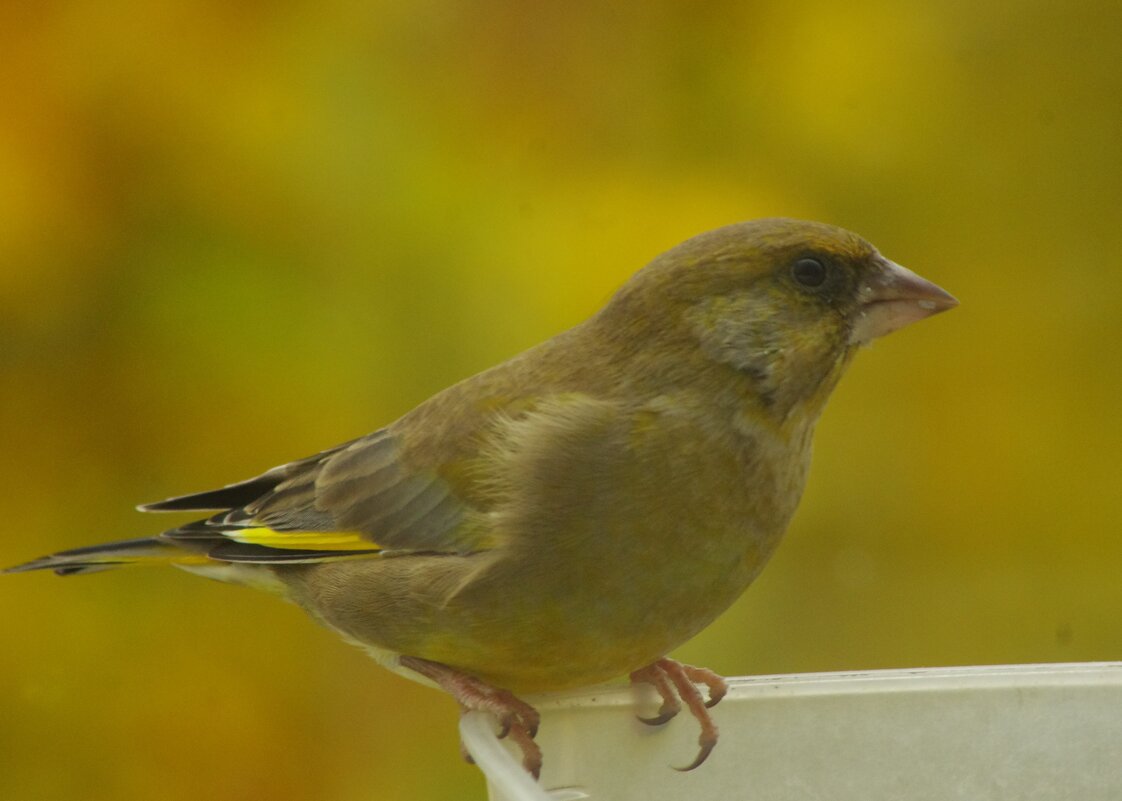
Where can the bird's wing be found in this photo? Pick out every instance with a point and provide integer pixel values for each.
(355, 499)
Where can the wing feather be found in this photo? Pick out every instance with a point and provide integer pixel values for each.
(355, 499)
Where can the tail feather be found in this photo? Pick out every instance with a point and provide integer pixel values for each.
(152, 550)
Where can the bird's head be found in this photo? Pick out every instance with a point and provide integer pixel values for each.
(782, 304)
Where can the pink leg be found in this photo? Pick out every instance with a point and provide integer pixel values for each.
(675, 683)
(517, 719)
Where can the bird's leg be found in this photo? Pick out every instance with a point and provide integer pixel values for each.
(517, 719)
(675, 683)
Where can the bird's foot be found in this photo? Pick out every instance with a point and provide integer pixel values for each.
(676, 684)
(517, 719)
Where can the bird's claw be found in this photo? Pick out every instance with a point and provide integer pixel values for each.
(664, 716)
(512, 713)
(517, 720)
(656, 676)
(702, 755)
(716, 686)
(676, 684)
(520, 723)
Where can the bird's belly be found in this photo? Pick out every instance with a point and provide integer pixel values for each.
(539, 624)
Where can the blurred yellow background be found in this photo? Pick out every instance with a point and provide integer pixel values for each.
(232, 234)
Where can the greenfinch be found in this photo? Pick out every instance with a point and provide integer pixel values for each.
(573, 514)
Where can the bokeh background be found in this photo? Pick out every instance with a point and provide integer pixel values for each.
(232, 234)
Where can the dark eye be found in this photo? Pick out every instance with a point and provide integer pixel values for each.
(809, 272)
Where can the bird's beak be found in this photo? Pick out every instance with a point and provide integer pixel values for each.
(894, 297)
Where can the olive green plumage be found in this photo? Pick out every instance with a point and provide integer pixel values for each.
(573, 514)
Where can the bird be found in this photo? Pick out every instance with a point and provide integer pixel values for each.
(571, 515)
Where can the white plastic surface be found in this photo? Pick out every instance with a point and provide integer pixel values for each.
(505, 775)
(1021, 732)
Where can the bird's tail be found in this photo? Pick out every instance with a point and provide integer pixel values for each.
(147, 550)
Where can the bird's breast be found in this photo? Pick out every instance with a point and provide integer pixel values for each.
(648, 534)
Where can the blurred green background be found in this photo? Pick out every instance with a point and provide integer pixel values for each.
(232, 234)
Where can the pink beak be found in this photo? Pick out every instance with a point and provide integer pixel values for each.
(894, 298)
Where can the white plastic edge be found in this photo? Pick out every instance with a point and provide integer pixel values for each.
(477, 730)
(509, 780)
(862, 681)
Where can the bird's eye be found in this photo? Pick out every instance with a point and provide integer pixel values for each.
(809, 272)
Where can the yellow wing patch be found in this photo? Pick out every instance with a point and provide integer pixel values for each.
(303, 540)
